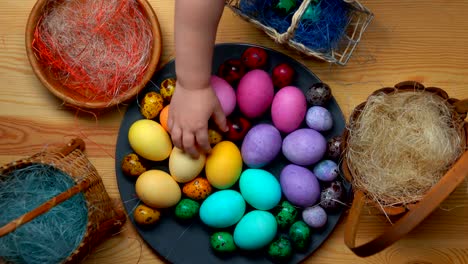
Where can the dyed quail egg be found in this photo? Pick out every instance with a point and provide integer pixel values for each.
(319, 118)
(285, 215)
(222, 242)
(299, 233)
(330, 197)
(231, 70)
(197, 189)
(214, 136)
(334, 148)
(315, 216)
(151, 105)
(145, 215)
(319, 94)
(167, 88)
(254, 58)
(326, 170)
(132, 165)
(282, 75)
(187, 209)
(280, 250)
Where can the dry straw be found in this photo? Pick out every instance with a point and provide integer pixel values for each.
(401, 145)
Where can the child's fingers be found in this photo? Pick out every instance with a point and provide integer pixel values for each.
(202, 140)
(176, 135)
(188, 141)
(220, 118)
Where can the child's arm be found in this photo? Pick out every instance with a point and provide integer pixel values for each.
(194, 101)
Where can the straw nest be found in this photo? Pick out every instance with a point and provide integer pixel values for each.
(401, 144)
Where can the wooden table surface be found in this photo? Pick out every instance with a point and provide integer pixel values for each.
(408, 40)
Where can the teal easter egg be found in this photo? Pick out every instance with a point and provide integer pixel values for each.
(255, 230)
(260, 189)
(312, 12)
(222, 209)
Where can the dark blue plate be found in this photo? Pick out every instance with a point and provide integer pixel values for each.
(178, 242)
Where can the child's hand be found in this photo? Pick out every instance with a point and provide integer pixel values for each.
(191, 108)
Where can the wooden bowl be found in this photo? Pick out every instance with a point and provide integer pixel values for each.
(77, 100)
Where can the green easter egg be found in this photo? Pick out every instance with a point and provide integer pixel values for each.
(280, 250)
(299, 233)
(187, 209)
(284, 6)
(222, 242)
(285, 215)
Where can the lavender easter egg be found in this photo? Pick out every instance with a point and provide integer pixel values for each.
(319, 118)
(288, 109)
(255, 93)
(261, 145)
(304, 146)
(299, 185)
(225, 93)
(315, 217)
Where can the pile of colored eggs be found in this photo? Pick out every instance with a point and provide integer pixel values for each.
(231, 190)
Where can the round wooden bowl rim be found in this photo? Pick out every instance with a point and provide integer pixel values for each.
(156, 50)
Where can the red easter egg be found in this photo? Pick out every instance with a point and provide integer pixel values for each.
(254, 58)
(231, 70)
(238, 127)
(282, 75)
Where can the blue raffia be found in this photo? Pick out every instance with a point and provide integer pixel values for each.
(51, 237)
(323, 35)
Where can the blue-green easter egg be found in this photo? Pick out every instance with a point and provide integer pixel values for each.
(312, 12)
(222, 209)
(255, 230)
(260, 189)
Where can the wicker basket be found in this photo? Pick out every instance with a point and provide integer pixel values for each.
(359, 18)
(407, 216)
(105, 216)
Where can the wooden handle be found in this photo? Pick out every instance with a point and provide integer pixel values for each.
(436, 195)
(44, 208)
(461, 106)
(76, 143)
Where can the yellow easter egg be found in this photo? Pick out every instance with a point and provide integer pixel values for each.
(183, 167)
(157, 189)
(149, 140)
(224, 165)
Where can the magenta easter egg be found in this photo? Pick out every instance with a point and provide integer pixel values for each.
(225, 93)
(255, 93)
(304, 146)
(288, 109)
(299, 186)
(261, 145)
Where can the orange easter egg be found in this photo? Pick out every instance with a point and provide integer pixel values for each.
(163, 116)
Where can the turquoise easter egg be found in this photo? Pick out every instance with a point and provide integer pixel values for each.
(260, 189)
(222, 209)
(255, 230)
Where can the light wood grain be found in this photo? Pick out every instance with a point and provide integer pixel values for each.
(408, 40)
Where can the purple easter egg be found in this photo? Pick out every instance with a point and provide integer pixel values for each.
(304, 146)
(299, 186)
